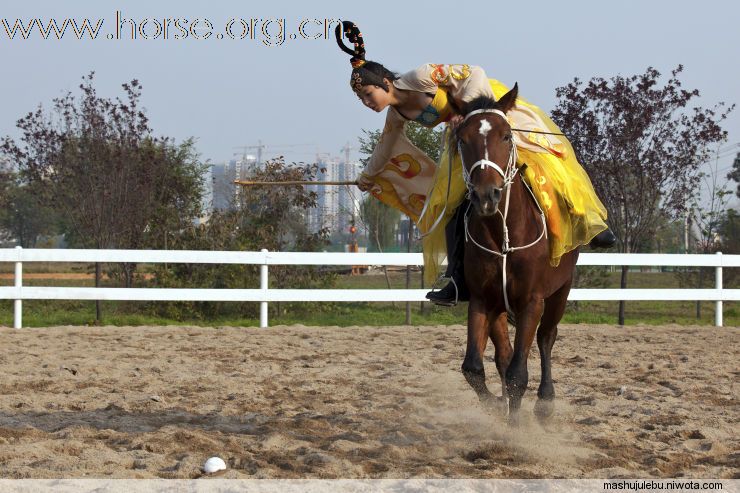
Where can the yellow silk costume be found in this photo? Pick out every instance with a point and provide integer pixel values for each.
(406, 178)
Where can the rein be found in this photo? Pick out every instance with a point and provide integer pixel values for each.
(508, 174)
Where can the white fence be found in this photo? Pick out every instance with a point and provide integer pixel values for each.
(263, 295)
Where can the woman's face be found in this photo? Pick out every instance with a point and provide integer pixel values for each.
(374, 97)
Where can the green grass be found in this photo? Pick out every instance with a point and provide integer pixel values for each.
(39, 313)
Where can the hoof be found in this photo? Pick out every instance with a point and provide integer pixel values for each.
(544, 408)
(499, 405)
(514, 419)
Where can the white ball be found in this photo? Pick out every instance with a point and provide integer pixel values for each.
(214, 464)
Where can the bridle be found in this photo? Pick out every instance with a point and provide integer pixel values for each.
(508, 174)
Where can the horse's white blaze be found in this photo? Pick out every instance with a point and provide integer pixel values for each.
(485, 127)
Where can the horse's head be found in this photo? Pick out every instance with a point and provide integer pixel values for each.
(487, 150)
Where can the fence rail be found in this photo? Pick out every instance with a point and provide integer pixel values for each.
(264, 295)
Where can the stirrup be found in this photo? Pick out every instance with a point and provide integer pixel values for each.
(442, 302)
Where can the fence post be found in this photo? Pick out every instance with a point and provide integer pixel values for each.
(263, 287)
(718, 285)
(18, 304)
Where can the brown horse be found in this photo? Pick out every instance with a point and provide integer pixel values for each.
(507, 261)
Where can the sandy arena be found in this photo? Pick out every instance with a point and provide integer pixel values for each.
(361, 402)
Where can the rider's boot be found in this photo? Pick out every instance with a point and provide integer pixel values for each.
(456, 289)
(605, 239)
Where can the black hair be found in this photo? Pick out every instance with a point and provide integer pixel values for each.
(364, 72)
(373, 73)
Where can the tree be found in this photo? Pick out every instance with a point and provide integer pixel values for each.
(96, 161)
(23, 217)
(643, 144)
(275, 217)
(710, 211)
(271, 217)
(734, 175)
(725, 239)
(707, 213)
(381, 222)
(730, 233)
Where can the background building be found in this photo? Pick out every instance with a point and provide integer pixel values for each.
(225, 194)
(337, 204)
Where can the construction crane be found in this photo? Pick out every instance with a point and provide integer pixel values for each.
(346, 150)
(260, 148)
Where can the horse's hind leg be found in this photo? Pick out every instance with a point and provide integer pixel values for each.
(546, 335)
(472, 367)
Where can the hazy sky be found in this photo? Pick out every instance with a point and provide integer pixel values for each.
(232, 92)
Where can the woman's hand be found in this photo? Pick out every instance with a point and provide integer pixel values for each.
(455, 121)
(364, 182)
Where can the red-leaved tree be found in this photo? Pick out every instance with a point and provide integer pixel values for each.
(643, 144)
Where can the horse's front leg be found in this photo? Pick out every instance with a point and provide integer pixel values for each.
(472, 367)
(499, 334)
(517, 375)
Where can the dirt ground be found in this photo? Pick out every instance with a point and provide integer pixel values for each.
(361, 402)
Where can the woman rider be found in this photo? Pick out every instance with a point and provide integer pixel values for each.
(401, 175)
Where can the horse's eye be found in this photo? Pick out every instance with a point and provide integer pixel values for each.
(507, 137)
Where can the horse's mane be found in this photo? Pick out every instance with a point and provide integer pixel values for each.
(480, 103)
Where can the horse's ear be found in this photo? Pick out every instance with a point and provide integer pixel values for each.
(508, 100)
